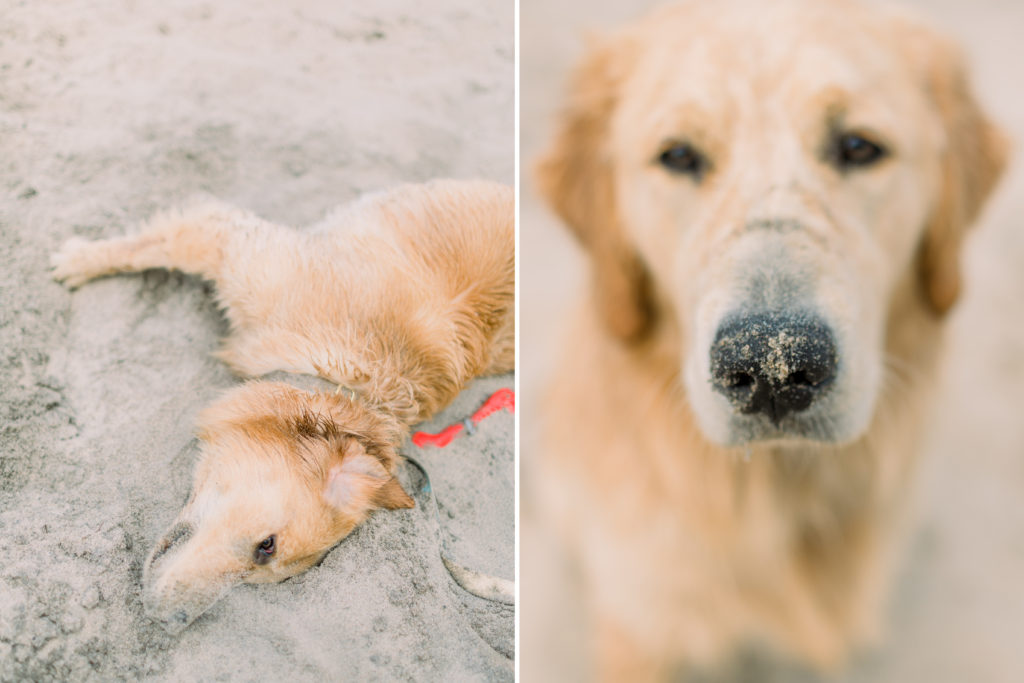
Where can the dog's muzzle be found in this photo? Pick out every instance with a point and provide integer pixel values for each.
(773, 363)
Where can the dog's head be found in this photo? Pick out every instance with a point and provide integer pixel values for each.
(766, 179)
(284, 475)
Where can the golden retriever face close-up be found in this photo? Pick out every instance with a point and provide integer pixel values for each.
(772, 197)
(283, 476)
(772, 182)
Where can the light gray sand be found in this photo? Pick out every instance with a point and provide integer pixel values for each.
(958, 609)
(109, 111)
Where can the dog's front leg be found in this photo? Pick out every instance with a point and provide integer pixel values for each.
(191, 241)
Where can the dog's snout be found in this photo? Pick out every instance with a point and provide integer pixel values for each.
(178, 534)
(773, 363)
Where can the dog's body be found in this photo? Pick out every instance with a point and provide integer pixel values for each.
(687, 549)
(399, 298)
(772, 196)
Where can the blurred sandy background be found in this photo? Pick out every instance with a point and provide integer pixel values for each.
(112, 110)
(958, 612)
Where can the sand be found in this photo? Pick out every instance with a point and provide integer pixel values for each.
(110, 111)
(958, 608)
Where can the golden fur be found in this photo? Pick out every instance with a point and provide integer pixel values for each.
(401, 297)
(693, 538)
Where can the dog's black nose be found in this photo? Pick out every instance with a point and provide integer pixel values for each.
(773, 363)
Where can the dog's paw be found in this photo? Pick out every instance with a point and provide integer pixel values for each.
(76, 262)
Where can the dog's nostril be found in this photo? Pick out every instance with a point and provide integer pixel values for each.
(740, 380)
(800, 379)
(814, 378)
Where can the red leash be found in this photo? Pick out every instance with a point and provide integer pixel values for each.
(502, 398)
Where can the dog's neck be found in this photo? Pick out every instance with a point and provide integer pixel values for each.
(381, 386)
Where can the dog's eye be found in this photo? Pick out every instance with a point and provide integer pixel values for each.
(265, 549)
(681, 157)
(854, 150)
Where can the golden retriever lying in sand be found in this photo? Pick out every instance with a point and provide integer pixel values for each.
(772, 196)
(401, 298)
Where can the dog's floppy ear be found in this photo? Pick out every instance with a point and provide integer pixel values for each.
(974, 157)
(359, 482)
(576, 176)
